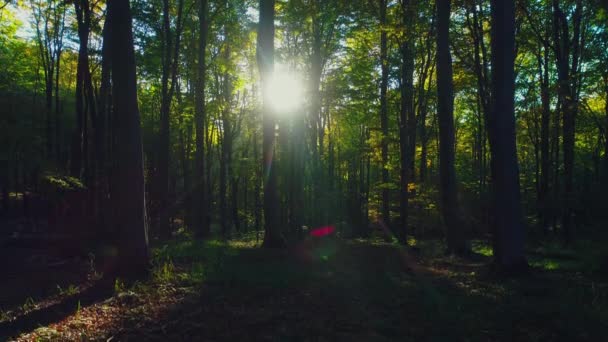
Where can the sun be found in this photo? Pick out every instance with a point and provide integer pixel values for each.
(286, 92)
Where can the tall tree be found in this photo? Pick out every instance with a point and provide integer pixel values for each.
(49, 24)
(509, 229)
(201, 220)
(170, 58)
(568, 53)
(445, 109)
(385, 210)
(407, 124)
(128, 194)
(84, 93)
(265, 58)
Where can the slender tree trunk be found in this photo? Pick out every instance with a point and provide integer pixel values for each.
(407, 125)
(165, 109)
(225, 172)
(509, 228)
(265, 58)
(566, 54)
(428, 70)
(315, 116)
(445, 109)
(201, 216)
(128, 197)
(544, 138)
(57, 106)
(78, 141)
(48, 111)
(257, 206)
(234, 187)
(385, 209)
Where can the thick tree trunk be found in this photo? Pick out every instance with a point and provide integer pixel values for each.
(128, 197)
(385, 209)
(509, 227)
(265, 59)
(606, 132)
(605, 173)
(201, 216)
(445, 109)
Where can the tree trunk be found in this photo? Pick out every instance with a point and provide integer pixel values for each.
(509, 228)
(445, 108)
(201, 216)
(128, 197)
(225, 172)
(407, 125)
(565, 54)
(605, 177)
(257, 207)
(385, 209)
(78, 140)
(544, 137)
(265, 59)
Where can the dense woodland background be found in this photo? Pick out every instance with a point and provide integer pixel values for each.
(375, 138)
(127, 124)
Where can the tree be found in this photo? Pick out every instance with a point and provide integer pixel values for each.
(49, 24)
(201, 220)
(407, 120)
(128, 195)
(568, 54)
(265, 58)
(170, 64)
(445, 109)
(509, 229)
(385, 211)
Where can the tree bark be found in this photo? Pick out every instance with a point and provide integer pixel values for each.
(567, 87)
(509, 228)
(445, 108)
(407, 125)
(226, 149)
(385, 209)
(544, 137)
(201, 218)
(265, 59)
(128, 197)
(169, 74)
(83, 21)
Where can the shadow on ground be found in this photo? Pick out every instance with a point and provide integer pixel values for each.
(337, 290)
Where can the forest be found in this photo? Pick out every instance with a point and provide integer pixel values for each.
(303, 170)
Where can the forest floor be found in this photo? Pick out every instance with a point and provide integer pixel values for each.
(327, 290)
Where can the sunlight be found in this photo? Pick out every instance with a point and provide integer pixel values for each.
(286, 92)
